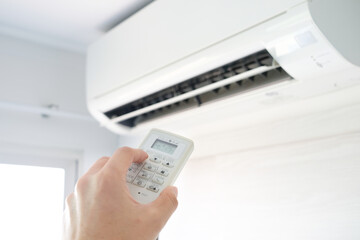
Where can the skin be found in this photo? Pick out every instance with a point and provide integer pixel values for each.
(101, 207)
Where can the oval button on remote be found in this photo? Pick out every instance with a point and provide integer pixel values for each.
(150, 167)
(163, 172)
(168, 164)
(155, 159)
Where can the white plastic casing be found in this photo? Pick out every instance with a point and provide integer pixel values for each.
(315, 42)
(169, 163)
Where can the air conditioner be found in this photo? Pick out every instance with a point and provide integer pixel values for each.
(201, 58)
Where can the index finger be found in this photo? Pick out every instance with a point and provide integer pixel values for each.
(122, 158)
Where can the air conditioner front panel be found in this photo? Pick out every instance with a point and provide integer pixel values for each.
(311, 63)
(166, 32)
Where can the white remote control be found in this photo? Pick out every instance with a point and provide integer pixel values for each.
(168, 154)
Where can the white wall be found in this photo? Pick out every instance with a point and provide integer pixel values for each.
(305, 190)
(33, 76)
(39, 75)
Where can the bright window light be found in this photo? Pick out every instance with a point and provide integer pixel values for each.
(31, 202)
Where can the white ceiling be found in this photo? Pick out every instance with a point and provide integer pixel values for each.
(68, 24)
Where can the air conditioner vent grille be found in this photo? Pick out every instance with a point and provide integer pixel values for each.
(196, 84)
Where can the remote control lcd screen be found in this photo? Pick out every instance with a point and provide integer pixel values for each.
(164, 146)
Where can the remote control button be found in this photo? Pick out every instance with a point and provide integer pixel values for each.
(155, 159)
(145, 174)
(129, 179)
(168, 164)
(134, 167)
(153, 187)
(139, 182)
(163, 172)
(131, 174)
(157, 179)
(150, 167)
(137, 165)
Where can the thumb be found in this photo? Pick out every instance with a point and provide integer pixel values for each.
(166, 203)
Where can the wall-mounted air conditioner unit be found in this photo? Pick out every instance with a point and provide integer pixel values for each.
(221, 55)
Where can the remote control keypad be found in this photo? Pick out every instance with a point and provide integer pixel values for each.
(152, 173)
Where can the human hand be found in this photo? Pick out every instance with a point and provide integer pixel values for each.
(101, 208)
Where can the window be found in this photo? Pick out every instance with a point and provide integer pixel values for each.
(32, 196)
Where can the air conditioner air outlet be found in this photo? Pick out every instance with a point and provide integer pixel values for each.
(250, 72)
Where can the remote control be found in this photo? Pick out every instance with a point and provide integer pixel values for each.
(168, 154)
